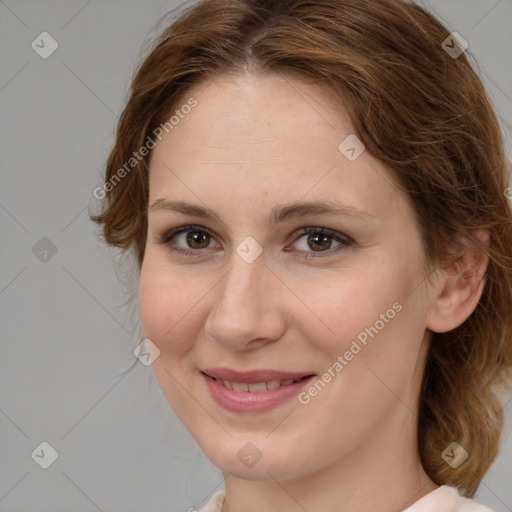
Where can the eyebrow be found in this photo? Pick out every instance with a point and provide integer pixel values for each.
(277, 215)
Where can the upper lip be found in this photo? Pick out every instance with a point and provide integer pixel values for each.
(253, 376)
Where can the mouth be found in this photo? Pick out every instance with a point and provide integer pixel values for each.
(257, 387)
(254, 391)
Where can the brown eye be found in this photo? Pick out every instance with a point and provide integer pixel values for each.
(201, 238)
(187, 240)
(320, 240)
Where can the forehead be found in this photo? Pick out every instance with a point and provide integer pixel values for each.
(258, 136)
(250, 111)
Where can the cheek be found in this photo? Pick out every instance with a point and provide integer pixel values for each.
(165, 311)
(343, 306)
(153, 304)
(166, 306)
(372, 321)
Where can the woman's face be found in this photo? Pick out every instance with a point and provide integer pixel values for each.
(246, 295)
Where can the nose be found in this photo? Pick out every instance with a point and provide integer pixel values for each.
(246, 311)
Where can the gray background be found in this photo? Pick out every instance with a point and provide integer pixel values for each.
(65, 337)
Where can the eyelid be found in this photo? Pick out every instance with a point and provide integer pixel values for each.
(344, 240)
(323, 230)
(166, 236)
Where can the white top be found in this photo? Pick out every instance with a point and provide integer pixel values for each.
(443, 499)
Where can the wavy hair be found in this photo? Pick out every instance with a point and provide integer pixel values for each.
(418, 109)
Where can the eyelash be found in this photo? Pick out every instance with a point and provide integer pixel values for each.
(344, 240)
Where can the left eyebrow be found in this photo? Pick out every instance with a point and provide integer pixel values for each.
(277, 215)
(295, 210)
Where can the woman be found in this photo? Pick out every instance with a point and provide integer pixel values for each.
(323, 237)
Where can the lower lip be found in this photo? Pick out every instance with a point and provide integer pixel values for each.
(252, 401)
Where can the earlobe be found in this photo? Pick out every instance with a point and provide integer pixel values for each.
(460, 286)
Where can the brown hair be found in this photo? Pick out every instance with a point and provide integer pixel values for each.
(418, 109)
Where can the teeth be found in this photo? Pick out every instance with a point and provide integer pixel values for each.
(256, 386)
(240, 386)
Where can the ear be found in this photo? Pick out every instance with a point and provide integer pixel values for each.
(460, 286)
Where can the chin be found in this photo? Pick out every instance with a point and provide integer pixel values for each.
(249, 463)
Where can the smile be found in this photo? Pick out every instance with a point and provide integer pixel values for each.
(255, 387)
(254, 391)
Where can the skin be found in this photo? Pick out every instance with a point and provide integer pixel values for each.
(254, 142)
